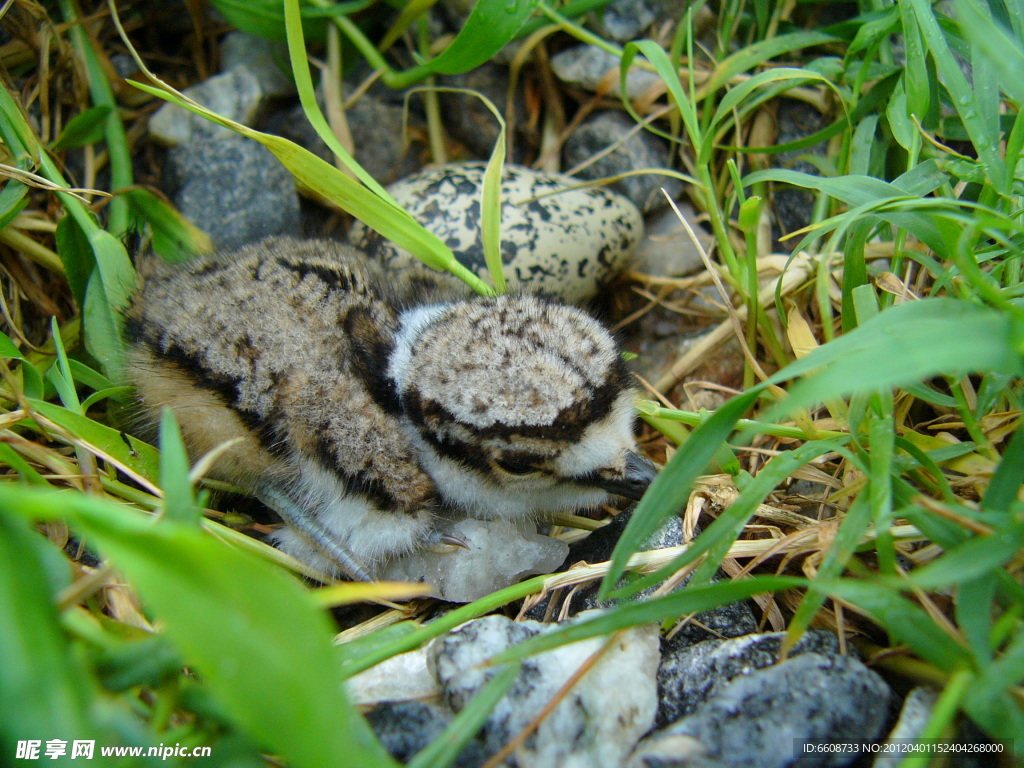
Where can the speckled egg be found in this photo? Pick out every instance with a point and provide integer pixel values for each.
(566, 245)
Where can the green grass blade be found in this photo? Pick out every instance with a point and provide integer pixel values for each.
(721, 534)
(757, 54)
(964, 99)
(175, 238)
(132, 452)
(672, 606)
(307, 96)
(107, 292)
(265, 18)
(443, 750)
(974, 601)
(671, 488)
(1006, 482)
(178, 504)
(118, 152)
(670, 76)
(325, 180)
(491, 24)
(851, 529)
(253, 633)
(43, 692)
(904, 620)
(13, 199)
(922, 338)
(60, 373)
(991, 701)
(84, 128)
(974, 558)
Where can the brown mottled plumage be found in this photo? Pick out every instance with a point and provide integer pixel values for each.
(359, 420)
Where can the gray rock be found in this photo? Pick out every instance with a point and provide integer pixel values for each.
(400, 678)
(497, 555)
(667, 250)
(762, 720)
(725, 621)
(625, 20)
(468, 118)
(404, 728)
(793, 206)
(587, 65)
(914, 716)
(641, 150)
(236, 94)
(594, 726)
(266, 59)
(233, 189)
(690, 675)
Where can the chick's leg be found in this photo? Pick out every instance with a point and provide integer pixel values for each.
(312, 530)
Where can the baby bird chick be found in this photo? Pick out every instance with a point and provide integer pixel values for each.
(359, 420)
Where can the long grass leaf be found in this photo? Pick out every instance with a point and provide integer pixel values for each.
(230, 613)
(671, 488)
(45, 690)
(444, 750)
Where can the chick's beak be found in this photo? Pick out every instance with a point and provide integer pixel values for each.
(640, 471)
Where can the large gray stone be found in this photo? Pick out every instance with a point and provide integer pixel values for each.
(690, 675)
(233, 189)
(625, 20)
(639, 151)
(588, 65)
(762, 720)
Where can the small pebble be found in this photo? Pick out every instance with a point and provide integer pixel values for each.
(236, 95)
(640, 150)
(587, 66)
(266, 59)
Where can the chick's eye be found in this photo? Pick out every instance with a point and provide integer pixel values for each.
(516, 465)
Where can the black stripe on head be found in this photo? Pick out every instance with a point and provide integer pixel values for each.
(568, 426)
(336, 279)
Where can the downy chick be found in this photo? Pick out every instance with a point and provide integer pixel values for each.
(359, 419)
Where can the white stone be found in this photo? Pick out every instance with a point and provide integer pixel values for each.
(401, 678)
(594, 726)
(496, 556)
